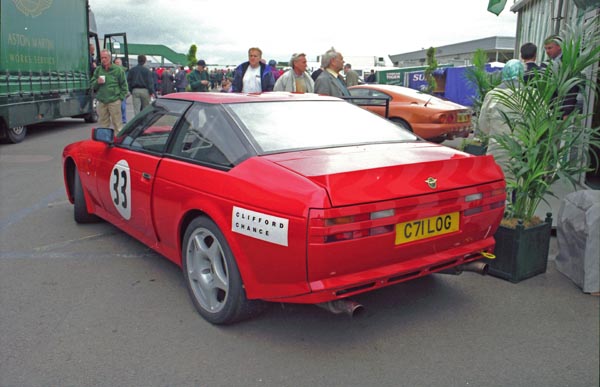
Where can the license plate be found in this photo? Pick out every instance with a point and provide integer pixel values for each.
(415, 230)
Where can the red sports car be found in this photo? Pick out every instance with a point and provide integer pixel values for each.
(285, 197)
(430, 117)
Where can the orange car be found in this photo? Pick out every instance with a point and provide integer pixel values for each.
(428, 116)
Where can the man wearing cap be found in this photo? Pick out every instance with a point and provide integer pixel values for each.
(198, 79)
(553, 49)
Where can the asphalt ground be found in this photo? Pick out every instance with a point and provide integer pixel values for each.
(86, 305)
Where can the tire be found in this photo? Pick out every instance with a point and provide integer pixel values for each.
(401, 123)
(92, 117)
(80, 212)
(14, 135)
(437, 140)
(212, 276)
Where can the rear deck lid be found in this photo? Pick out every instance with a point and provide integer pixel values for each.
(377, 172)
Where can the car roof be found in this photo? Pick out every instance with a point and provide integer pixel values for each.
(407, 92)
(226, 98)
(389, 88)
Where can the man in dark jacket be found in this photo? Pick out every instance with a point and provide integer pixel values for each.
(552, 46)
(181, 81)
(198, 79)
(528, 55)
(253, 76)
(141, 85)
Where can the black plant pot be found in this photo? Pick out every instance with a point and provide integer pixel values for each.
(521, 252)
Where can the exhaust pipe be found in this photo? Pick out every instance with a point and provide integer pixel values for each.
(349, 307)
(475, 266)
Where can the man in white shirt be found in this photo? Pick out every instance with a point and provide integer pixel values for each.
(253, 76)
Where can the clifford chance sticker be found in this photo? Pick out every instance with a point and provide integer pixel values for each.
(261, 226)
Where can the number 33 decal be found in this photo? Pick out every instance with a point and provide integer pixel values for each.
(120, 188)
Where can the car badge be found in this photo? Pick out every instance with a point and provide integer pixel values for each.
(431, 182)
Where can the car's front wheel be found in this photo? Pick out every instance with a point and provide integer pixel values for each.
(212, 276)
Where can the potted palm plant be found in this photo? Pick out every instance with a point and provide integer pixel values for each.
(542, 145)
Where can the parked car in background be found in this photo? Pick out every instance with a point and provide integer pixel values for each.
(428, 116)
(286, 198)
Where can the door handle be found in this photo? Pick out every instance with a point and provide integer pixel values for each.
(146, 176)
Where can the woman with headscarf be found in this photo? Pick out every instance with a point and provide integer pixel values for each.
(495, 112)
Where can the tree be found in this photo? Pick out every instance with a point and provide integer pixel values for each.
(432, 65)
(191, 56)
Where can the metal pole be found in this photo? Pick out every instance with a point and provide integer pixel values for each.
(558, 17)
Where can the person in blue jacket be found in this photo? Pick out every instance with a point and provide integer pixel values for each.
(253, 76)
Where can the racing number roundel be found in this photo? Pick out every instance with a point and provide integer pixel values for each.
(120, 188)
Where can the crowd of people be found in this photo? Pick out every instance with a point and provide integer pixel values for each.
(495, 115)
(295, 77)
(257, 75)
(113, 84)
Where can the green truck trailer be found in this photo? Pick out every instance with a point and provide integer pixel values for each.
(45, 63)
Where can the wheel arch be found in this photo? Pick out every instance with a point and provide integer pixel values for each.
(69, 170)
(402, 121)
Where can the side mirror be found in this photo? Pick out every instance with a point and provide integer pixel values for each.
(105, 135)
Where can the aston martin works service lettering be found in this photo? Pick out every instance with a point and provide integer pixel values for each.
(120, 188)
(261, 226)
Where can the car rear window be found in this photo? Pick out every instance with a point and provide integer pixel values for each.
(293, 125)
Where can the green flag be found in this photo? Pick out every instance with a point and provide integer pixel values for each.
(496, 6)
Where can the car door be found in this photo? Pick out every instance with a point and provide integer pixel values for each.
(126, 171)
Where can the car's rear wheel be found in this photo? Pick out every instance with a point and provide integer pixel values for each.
(80, 212)
(212, 276)
(437, 140)
(401, 123)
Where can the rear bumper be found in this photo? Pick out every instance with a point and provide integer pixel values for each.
(448, 131)
(348, 285)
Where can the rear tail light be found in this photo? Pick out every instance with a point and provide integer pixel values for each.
(455, 117)
(447, 118)
(336, 225)
(485, 205)
(355, 234)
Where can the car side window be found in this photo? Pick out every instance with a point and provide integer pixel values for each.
(206, 136)
(151, 131)
(379, 99)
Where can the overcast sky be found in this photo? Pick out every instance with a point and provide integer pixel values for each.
(224, 30)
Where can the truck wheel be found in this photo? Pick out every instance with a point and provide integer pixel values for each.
(212, 276)
(80, 212)
(15, 135)
(92, 117)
